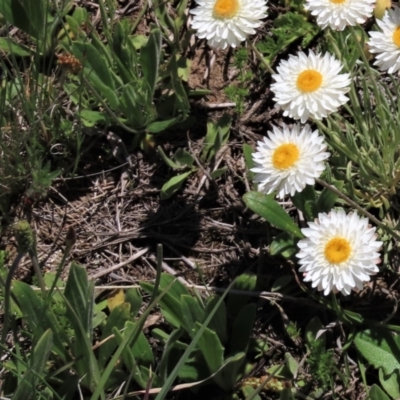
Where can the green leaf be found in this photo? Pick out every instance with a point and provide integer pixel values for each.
(266, 207)
(141, 349)
(40, 355)
(292, 364)
(376, 393)
(170, 303)
(217, 135)
(248, 157)
(167, 160)
(173, 185)
(159, 126)
(246, 282)
(327, 198)
(218, 172)
(242, 329)
(117, 318)
(305, 202)
(11, 47)
(281, 282)
(183, 64)
(283, 245)
(312, 328)
(219, 321)
(150, 59)
(79, 294)
(38, 316)
(92, 118)
(134, 298)
(79, 299)
(97, 71)
(184, 157)
(191, 312)
(391, 383)
(211, 348)
(380, 349)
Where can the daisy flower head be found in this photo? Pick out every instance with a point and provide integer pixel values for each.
(340, 13)
(310, 86)
(288, 160)
(387, 42)
(339, 252)
(227, 22)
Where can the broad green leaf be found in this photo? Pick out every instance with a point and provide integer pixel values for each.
(211, 348)
(91, 118)
(380, 349)
(150, 58)
(292, 364)
(97, 71)
(160, 126)
(141, 349)
(173, 185)
(219, 321)
(327, 198)
(191, 312)
(134, 298)
(38, 316)
(40, 355)
(218, 172)
(391, 383)
(117, 318)
(305, 201)
(127, 355)
(245, 282)
(376, 393)
(283, 245)
(242, 329)
(183, 157)
(79, 299)
(217, 135)
(170, 303)
(11, 47)
(281, 282)
(248, 157)
(266, 207)
(183, 64)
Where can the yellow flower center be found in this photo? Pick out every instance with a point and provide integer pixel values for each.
(285, 156)
(337, 1)
(309, 81)
(396, 36)
(225, 9)
(337, 250)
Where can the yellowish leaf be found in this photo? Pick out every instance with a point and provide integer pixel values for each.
(116, 299)
(380, 8)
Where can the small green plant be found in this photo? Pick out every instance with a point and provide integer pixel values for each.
(321, 364)
(239, 91)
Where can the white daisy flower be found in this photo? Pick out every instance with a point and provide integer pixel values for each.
(387, 43)
(339, 253)
(289, 160)
(310, 86)
(227, 22)
(340, 13)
